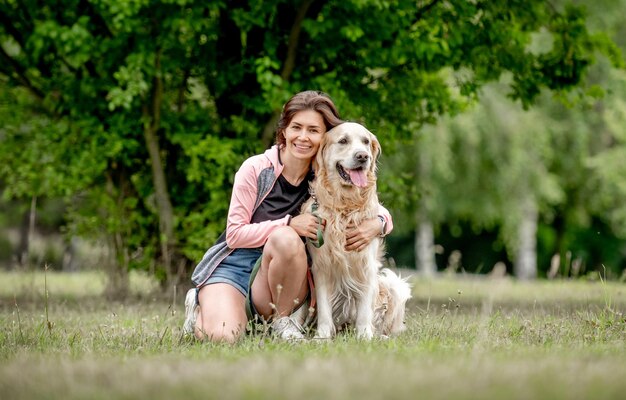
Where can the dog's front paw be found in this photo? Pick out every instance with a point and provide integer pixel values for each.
(324, 332)
(364, 333)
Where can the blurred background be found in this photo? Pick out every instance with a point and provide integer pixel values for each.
(122, 123)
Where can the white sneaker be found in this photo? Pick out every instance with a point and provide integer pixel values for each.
(287, 328)
(301, 314)
(190, 312)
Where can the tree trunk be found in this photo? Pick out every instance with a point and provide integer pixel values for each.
(424, 231)
(526, 258)
(152, 123)
(425, 246)
(163, 203)
(27, 232)
(118, 282)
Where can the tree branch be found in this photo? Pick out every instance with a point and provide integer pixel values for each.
(423, 10)
(21, 74)
(294, 37)
(157, 97)
(182, 88)
(288, 66)
(7, 21)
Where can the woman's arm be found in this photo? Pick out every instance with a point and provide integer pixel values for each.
(240, 233)
(357, 237)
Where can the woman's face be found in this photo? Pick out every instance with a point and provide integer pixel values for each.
(304, 134)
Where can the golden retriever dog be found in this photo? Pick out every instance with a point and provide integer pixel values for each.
(351, 289)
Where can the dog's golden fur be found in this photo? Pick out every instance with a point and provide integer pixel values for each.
(350, 287)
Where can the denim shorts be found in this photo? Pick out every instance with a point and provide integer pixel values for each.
(236, 269)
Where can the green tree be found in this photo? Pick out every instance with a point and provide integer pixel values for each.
(552, 169)
(155, 103)
(121, 125)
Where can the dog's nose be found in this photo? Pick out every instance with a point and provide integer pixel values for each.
(361, 156)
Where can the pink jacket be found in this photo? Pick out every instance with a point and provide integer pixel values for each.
(252, 175)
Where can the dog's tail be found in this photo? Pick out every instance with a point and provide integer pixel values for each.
(393, 293)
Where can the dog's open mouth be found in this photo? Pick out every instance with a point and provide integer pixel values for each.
(357, 176)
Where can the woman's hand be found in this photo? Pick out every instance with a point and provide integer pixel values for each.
(306, 225)
(358, 237)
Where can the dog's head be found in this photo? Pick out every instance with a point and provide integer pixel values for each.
(349, 152)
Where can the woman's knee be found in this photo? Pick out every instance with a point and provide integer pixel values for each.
(219, 334)
(285, 242)
(222, 316)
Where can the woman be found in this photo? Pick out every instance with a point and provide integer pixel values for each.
(264, 222)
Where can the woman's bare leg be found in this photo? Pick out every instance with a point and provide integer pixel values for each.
(281, 279)
(222, 316)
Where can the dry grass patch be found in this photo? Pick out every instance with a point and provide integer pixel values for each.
(466, 338)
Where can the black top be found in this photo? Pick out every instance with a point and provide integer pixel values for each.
(283, 199)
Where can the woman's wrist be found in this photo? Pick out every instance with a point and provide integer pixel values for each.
(383, 226)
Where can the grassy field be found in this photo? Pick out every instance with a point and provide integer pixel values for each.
(467, 338)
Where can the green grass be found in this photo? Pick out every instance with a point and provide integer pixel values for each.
(466, 338)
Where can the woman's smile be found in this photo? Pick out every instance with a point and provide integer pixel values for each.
(304, 134)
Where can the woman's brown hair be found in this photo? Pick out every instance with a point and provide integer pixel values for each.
(307, 100)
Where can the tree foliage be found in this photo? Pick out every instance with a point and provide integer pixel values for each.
(482, 169)
(137, 112)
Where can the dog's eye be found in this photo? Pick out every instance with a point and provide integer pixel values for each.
(343, 141)
(366, 141)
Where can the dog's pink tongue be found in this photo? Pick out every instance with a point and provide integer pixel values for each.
(358, 177)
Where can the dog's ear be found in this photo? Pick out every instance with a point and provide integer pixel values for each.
(318, 161)
(376, 151)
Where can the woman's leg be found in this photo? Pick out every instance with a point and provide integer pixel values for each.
(222, 316)
(281, 279)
